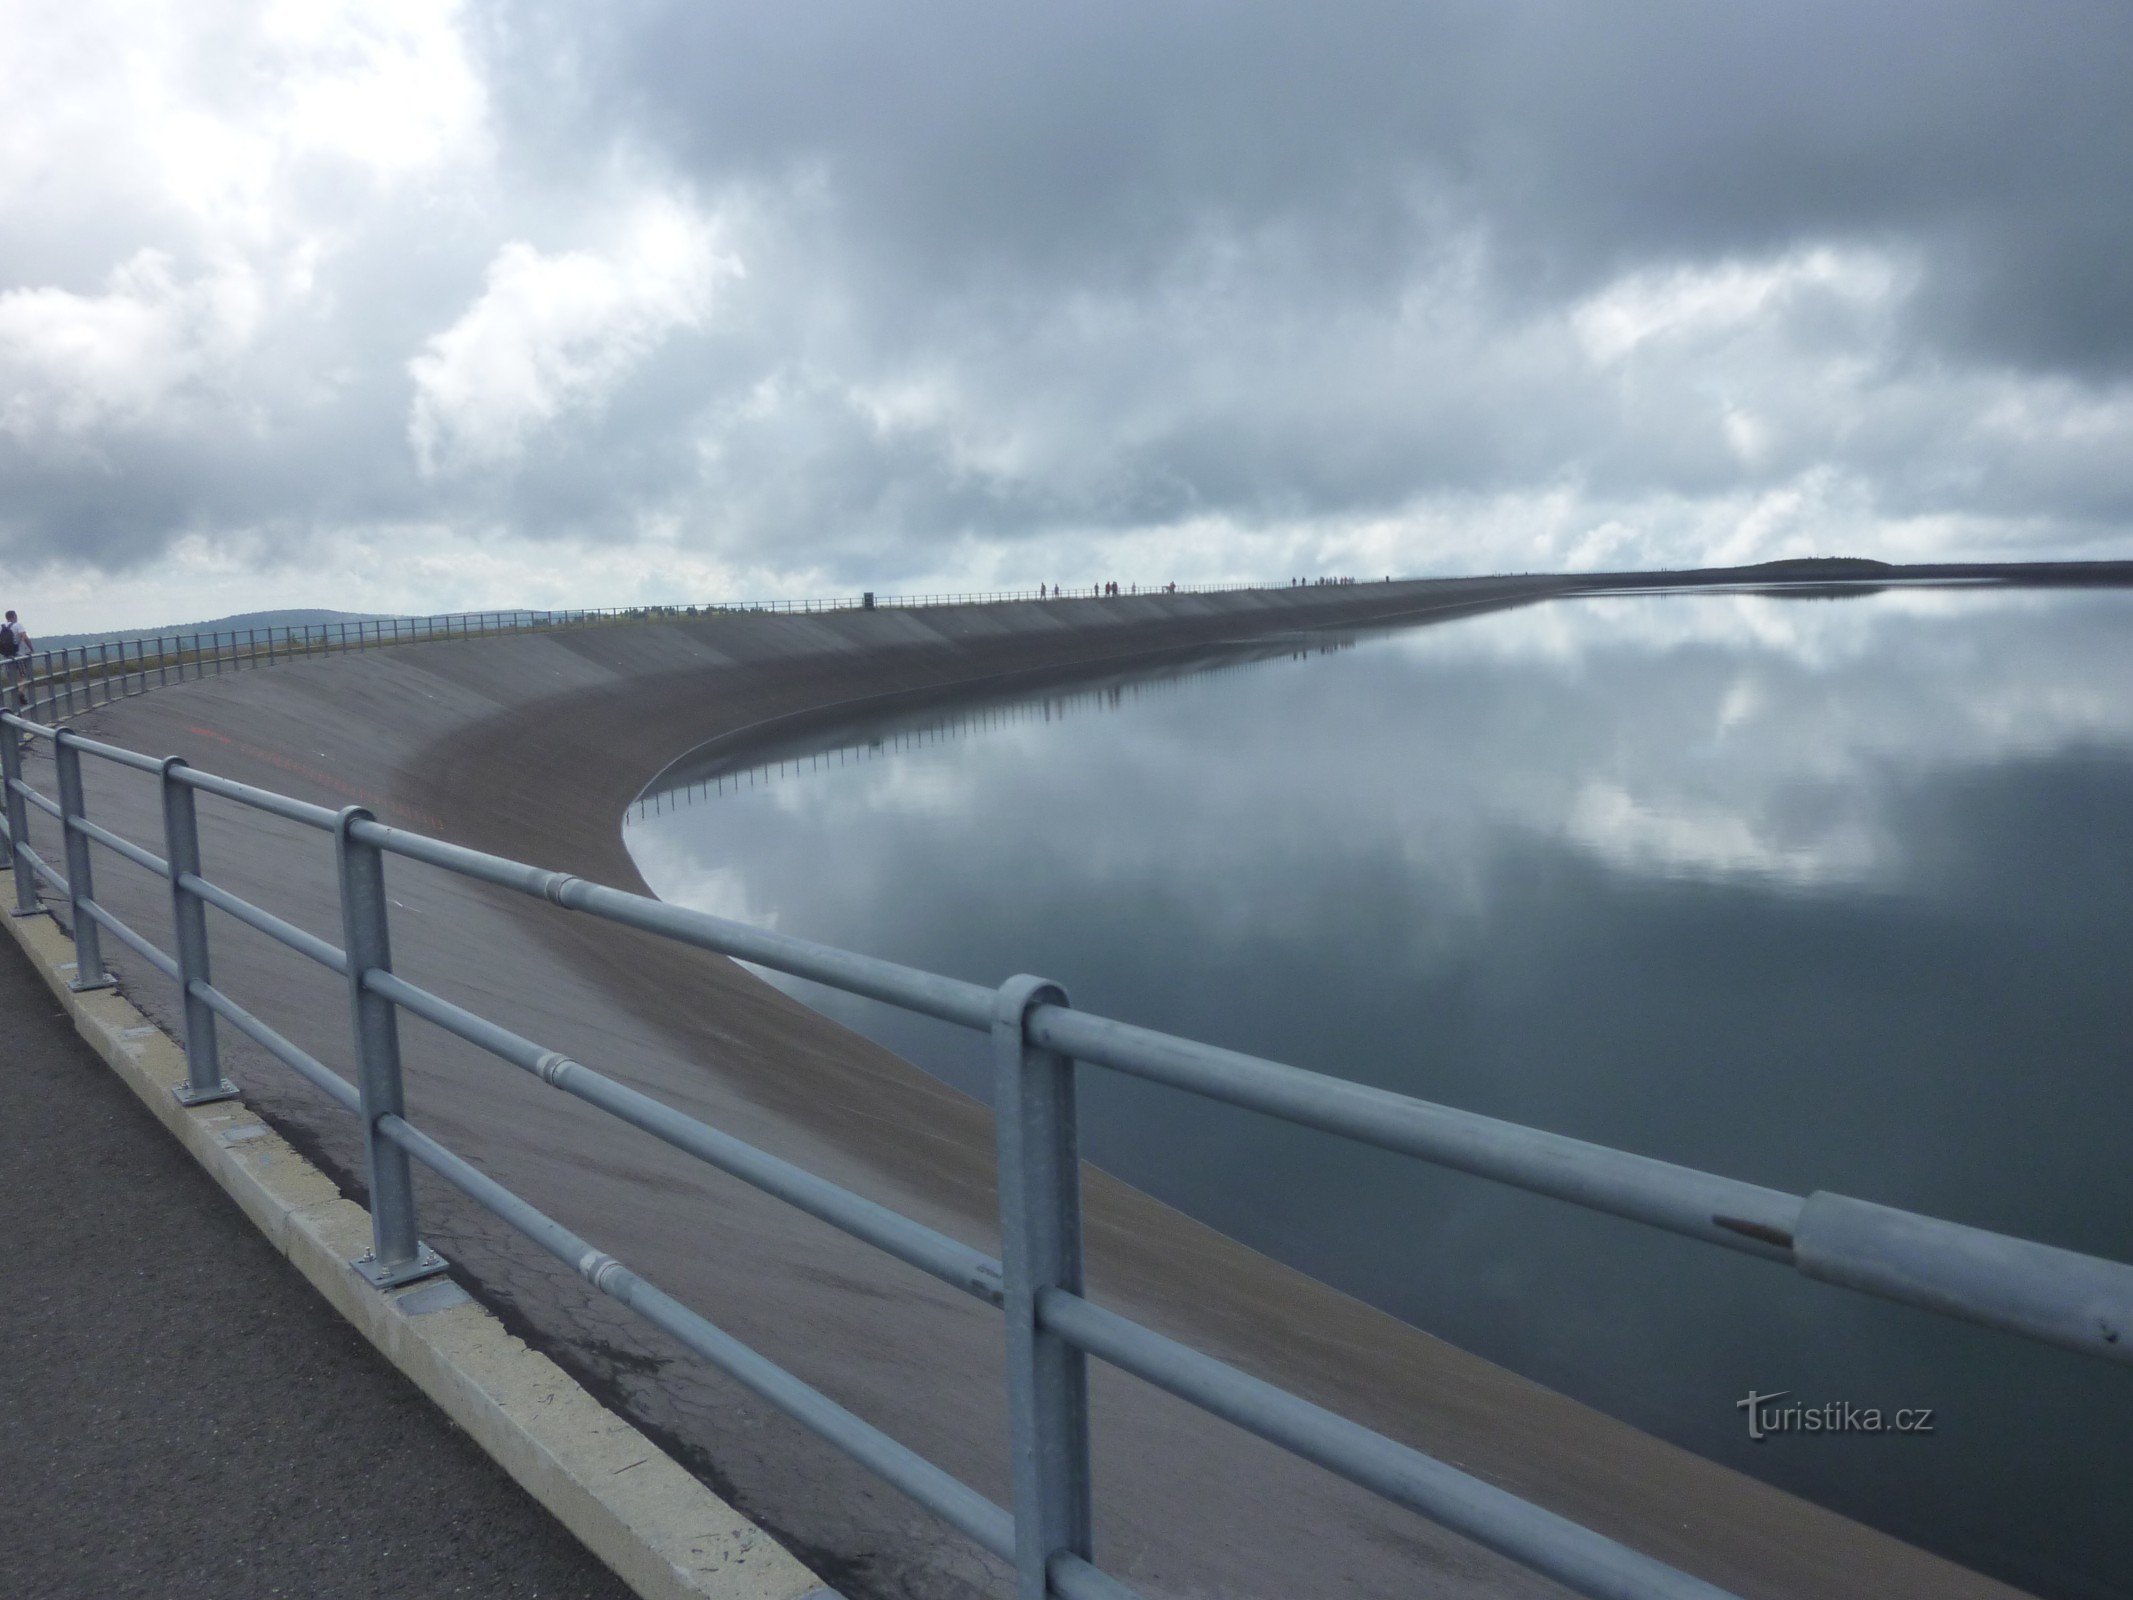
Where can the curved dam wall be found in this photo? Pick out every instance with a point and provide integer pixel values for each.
(533, 746)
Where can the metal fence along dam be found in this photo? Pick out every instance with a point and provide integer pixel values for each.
(366, 885)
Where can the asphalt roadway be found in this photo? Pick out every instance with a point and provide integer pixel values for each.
(181, 1415)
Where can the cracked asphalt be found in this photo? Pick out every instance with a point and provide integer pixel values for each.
(181, 1415)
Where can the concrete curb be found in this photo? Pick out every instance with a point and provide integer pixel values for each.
(662, 1532)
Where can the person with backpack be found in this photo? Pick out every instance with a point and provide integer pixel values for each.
(15, 648)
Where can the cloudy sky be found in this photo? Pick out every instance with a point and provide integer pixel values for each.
(403, 305)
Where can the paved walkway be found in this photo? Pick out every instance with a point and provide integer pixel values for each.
(180, 1414)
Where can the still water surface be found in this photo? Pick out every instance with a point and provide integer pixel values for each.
(1823, 894)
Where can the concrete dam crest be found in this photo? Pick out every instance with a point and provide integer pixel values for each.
(532, 746)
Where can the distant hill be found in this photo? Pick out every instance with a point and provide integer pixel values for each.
(243, 619)
(1821, 567)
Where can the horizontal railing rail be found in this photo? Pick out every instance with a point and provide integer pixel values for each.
(48, 684)
(1039, 1043)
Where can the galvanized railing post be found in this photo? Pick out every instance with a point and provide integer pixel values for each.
(396, 1254)
(1040, 1248)
(89, 970)
(204, 1081)
(18, 819)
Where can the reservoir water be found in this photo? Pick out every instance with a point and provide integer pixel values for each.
(1823, 893)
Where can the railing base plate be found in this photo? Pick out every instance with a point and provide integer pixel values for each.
(105, 982)
(187, 1095)
(427, 1264)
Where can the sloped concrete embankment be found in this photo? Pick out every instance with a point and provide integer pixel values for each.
(533, 747)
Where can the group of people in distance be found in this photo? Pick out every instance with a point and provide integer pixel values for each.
(1099, 590)
(1053, 591)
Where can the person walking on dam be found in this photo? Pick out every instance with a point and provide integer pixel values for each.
(15, 648)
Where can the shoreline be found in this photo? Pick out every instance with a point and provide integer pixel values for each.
(533, 746)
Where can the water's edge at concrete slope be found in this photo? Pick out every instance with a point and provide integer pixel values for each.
(533, 746)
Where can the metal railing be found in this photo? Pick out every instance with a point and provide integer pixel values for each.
(1094, 591)
(1039, 1042)
(77, 678)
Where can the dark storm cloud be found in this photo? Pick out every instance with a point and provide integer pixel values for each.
(974, 288)
(1087, 144)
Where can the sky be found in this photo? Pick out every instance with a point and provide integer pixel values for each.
(413, 306)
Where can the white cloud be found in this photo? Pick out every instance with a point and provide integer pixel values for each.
(212, 115)
(72, 363)
(1732, 297)
(556, 334)
(384, 83)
